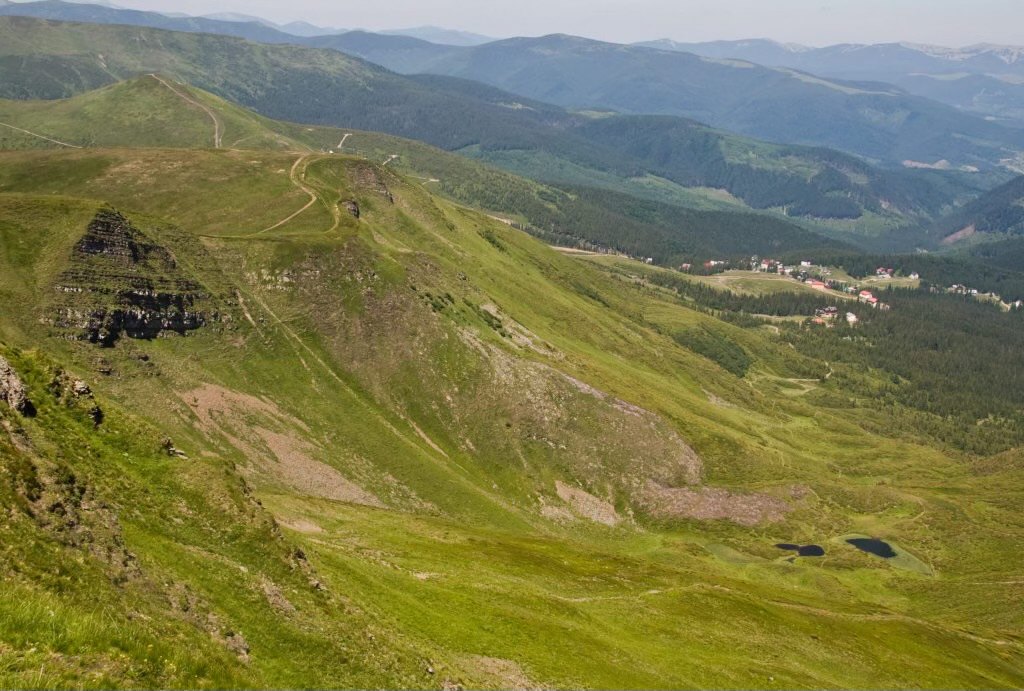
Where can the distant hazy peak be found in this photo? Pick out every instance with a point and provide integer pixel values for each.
(307, 30)
(436, 34)
(236, 17)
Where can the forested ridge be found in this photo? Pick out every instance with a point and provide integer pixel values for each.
(960, 360)
(999, 211)
(818, 182)
(668, 234)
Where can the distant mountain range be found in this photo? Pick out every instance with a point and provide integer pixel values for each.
(301, 29)
(435, 34)
(246, 25)
(861, 61)
(881, 122)
(298, 28)
(253, 30)
(985, 78)
(871, 119)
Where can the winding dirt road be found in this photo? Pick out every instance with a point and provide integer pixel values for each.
(297, 177)
(40, 136)
(294, 175)
(218, 132)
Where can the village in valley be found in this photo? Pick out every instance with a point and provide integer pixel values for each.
(820, 278)
(833, 281)
(743, 275)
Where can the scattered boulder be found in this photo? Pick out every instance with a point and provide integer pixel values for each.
(236, 643)
(96, 415)
(74, 393)
(276, 598)
(168, 446)
(228, 637)
(352, 207)
(12, 390)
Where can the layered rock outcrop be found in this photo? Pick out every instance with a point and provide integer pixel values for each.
(121, 283)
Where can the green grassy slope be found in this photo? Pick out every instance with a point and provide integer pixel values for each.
(486, 453)
(141, 112)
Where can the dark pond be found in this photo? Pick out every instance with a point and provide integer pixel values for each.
(871, 545)
(803, 550)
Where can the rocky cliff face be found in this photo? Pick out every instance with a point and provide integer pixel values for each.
(120, 282)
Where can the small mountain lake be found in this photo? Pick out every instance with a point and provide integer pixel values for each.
(803, 550)
(889, 550)
(871, 545)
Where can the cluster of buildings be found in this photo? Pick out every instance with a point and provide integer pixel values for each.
(765, 265)
(818, 278)
(801, 272)
(827, 316)
(960, 289)
(821, 281)
(709, 265)
(824, 316)
(772, 266)
(883, 272)
(868, 298)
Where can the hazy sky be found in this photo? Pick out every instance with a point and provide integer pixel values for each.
(813, 22)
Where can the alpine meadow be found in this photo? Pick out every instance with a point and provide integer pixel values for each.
(416, 358)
